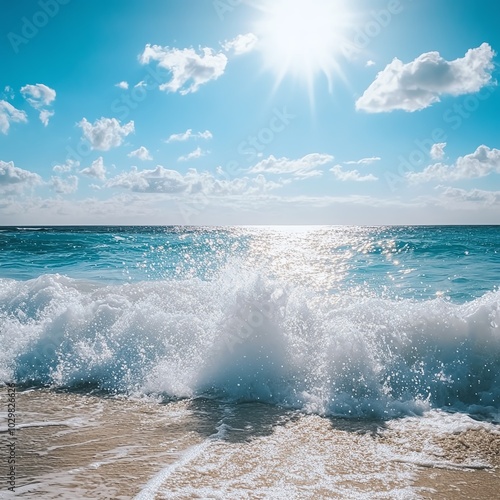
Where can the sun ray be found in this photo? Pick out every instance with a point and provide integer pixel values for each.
(303, 39)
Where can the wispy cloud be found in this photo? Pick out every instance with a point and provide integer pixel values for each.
(304, 167)
(197, 153)
(189, 134)
(351, 175)
(363, 161)
(241, 44)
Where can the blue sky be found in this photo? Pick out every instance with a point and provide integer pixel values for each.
(249, 112)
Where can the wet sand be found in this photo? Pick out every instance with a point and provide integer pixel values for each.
(70, 445)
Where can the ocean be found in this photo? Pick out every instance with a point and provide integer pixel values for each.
(252, 362)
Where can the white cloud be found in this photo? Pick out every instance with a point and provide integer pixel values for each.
(166, 181)
(105, 133)
(303, 167)
(10, 114)
(241, 44)
(481, 163)
(351, 175)
(475, 198)
(420, 83)
(8, 92)
(188, 69)
(16, 180)
(188, 134)
(122, 85)
(68, 166)
(40, 96)
(142, 153)
(437, 151)
(159, 180)
(62, 186)
(363, 161)
(197, 153)
(97, 170)
(45, 116)
(370, 63)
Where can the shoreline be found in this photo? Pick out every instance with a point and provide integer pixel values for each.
(72, 444)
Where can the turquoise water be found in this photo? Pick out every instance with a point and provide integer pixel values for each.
(459, 262)
(349, 321)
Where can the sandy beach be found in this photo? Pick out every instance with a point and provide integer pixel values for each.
(70, 445)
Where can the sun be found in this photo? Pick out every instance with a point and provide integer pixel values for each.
(303, 38)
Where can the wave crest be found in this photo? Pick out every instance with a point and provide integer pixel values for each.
(244, 336)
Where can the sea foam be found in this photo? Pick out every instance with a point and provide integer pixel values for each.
(247, 337)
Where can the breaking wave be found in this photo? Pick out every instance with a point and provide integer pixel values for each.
(244, 336)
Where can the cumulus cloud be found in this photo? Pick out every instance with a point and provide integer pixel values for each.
(370, 63)
(64, 186)
(188, 134)
(122, 85)
(67, 166)
(16, 180)
(9, 114)
(159, 180)
(197, 153)
(142, 153)
(165, 181)
(420, 83)
(188, 69)
(437, 151)
(97, 170)
(302, 168)
(105, 133)
(481, 163)
(241, 44)
(351, 175)
(40, 96)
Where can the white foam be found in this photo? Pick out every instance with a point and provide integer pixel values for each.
(244, 336)
(47, 423)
